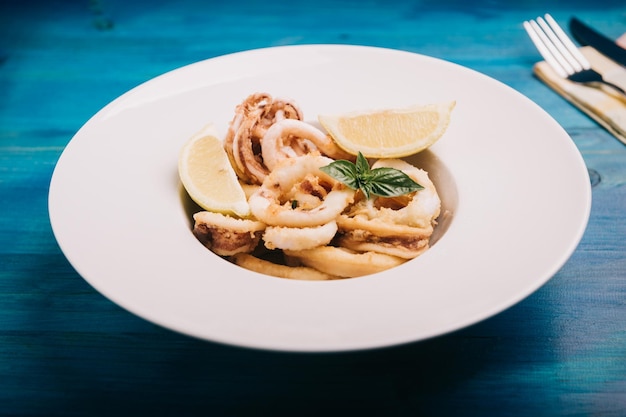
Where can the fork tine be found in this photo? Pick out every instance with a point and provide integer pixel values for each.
(547, 49)
(561, 49)
(562, 55)
(552, 47)
(567, 42)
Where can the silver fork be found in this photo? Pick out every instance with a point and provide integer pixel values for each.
(561, 53)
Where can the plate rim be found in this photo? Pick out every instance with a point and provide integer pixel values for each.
(329, 345)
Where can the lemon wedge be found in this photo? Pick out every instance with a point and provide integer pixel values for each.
(389, 133)
(208, 177)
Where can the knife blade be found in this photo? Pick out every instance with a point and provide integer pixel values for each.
(589, 36)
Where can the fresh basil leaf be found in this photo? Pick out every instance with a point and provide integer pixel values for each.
(391, 182)
(366, 189)
(362, 166)
(344, 171)
(384, 181)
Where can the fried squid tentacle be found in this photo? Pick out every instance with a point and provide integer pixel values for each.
(252, 119)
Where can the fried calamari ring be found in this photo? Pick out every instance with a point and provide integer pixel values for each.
(298, 194)
(399, 226)
(345, 262)
(299, 238)
(289, 138)
(227, 235)
(262, 266)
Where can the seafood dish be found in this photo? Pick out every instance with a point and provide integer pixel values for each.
(304, 222)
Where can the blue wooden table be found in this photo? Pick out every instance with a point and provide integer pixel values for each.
(67, 350)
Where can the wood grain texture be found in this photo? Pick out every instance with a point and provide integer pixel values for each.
(67, 350)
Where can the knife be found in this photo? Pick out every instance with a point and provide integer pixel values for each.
(589, 36)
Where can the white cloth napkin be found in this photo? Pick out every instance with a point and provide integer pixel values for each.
(605, 108)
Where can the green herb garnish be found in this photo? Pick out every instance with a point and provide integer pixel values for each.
(383, 182)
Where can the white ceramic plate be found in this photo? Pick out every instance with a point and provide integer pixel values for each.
(516, 186)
